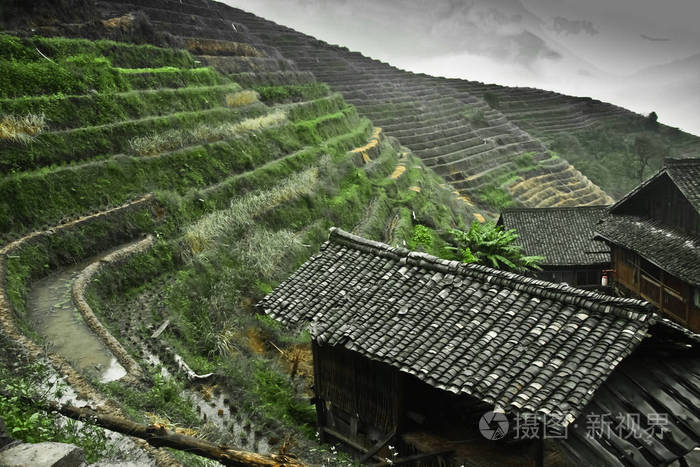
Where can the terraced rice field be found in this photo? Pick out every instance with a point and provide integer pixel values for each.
(456, 133)
(162, 151)
(467, 130)
(427, 116)
(232, 156)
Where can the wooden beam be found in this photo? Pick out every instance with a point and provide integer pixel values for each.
(374, 449)
(350, 442)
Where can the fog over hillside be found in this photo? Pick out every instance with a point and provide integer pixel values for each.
(640, 54)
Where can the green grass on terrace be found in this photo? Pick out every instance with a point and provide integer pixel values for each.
(28, 200)
(292, 93)
(170, 77)
(63, 112)
(118, 53)
(62, 147)
(73, 66)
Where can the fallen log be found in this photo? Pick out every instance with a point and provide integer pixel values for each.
(158, 436)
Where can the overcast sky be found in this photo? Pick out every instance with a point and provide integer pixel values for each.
(598, 48)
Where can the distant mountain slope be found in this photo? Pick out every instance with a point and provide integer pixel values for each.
(579, 129)
(488, 159)
(503, 33)
(506, 38)
(671, 89)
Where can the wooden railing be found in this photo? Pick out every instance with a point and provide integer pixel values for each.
(664, 297)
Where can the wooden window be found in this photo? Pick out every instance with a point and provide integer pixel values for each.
(581, 278)
(626, 269)
(566, 276)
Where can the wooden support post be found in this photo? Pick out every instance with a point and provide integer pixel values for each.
(539, 453)
(320, 403)
(354, 421)
(400, 401)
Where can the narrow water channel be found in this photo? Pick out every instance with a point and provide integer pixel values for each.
(53, 315)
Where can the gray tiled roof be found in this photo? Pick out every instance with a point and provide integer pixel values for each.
(564, 236)
(644, 385)
(685, 173)
(675, 252)
(511, 341)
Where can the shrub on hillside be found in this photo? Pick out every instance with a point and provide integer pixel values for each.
(492, 99)
(649, 151)
(652, 120)
(292, 93)
(26, 381)
(476, 117)
(496, 197)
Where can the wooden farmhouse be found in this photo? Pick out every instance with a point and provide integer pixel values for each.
(426, 361)
(564, 237)
(654, 235)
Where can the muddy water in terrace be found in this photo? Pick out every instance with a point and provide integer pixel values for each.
(54, 316)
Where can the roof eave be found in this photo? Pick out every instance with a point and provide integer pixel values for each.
(655, 263)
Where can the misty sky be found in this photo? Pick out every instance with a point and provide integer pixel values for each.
(640, 54)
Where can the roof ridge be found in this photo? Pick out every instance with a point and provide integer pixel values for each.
(681, 160)
(556, 208)
(669, 163)
(638, 188)
(631, 308)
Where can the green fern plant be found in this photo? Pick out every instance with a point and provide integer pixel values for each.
(489, 244)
